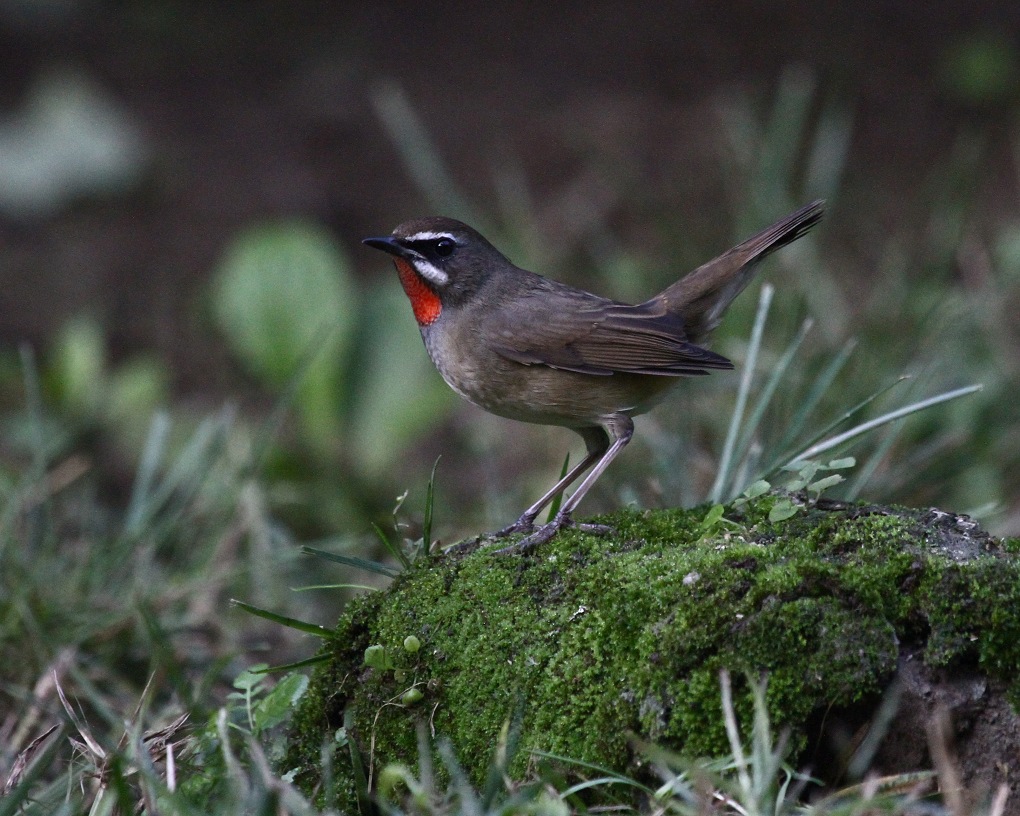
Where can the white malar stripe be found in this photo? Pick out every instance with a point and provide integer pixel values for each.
(429, 236)
(431, 273)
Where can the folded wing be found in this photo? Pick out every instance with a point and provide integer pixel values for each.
(601, 338)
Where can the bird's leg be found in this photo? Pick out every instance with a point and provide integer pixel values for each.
(622, 428)
(596, 441)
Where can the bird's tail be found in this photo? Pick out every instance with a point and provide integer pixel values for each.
(701, 297)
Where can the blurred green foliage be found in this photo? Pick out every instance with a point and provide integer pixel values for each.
(284, 300)
(982, 68)
(69, 139)
(347, 359)
(74, 396)
(80, 380)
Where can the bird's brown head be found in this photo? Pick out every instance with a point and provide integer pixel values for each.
(441, 262)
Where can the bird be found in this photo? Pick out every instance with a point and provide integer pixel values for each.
(532, 349)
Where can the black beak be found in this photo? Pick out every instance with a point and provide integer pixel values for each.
(388, 244)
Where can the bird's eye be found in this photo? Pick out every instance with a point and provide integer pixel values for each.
(444, 247)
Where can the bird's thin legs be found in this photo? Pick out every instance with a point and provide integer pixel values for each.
(596, 441)
(622, 429)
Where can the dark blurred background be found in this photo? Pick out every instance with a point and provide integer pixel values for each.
(153, 155)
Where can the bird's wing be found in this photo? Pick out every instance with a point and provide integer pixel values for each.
(599, 337)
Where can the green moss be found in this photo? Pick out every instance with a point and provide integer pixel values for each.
(605, 638)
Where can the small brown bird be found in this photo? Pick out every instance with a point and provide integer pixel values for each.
(532, 349)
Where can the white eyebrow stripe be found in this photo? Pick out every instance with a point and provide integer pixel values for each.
(429, 236)
(430, 272)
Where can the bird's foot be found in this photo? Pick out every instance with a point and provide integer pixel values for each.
(547, 531)
(525, 524)
(537, 538)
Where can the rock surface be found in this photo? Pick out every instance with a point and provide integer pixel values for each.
(604, 639)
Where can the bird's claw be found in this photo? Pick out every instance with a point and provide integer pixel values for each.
(547, 531)
(525, 524)
(540, 536)
(593, 529)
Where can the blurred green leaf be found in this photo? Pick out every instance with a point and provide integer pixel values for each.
(136, 390)
(1007, 252)
(77, 365)
(982, 68)
(400, 396)
(81, 381)
(70, 137)
(251, 678)
(284, 297)
(782, 510)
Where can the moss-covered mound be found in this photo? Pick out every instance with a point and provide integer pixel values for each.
(605, 638)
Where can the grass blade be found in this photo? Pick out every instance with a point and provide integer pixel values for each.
(34, 406)
(28, 767)
(878, 422)
(162, 505)
(283, 620)
(148, 468)
(352, 561)
(469, 803)
(827, 155)
(764, 400)
(392, 547)
(753, 347)
(426, 525)
(554, 505)
(867, 470)
(334, 586)
(418, 152)
(298, 664)
(786, 457)
(608, 773)
(818, 389)
(784, 134)
(38, 518)
(361, 782)
(268, 430)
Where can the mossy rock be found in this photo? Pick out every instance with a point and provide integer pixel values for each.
(604, 639)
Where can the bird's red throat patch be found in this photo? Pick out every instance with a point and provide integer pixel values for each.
(424, 301)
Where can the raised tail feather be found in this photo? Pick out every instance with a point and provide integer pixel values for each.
(701, 297)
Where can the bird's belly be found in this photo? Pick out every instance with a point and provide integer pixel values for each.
(540, 394)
